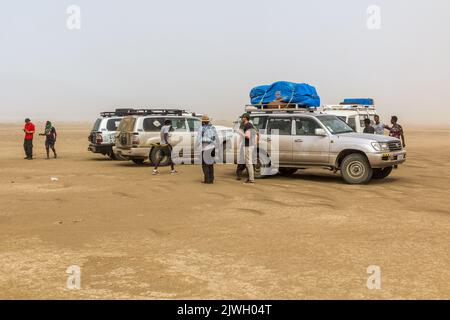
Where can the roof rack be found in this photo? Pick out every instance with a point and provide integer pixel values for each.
(285, 108)
(142, 112)
(117, 113)
(147, 112)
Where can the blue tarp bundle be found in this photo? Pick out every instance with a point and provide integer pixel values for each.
(288, 92)
(362, 101)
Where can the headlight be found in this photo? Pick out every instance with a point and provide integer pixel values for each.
(380, 146)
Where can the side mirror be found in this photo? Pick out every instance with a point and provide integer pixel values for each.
(320, 132)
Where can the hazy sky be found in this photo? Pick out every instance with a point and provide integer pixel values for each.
(207, 55)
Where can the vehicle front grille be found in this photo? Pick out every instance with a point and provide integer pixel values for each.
(395, 146)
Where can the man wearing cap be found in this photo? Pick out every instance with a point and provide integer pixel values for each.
(208, 141)
(29, 130)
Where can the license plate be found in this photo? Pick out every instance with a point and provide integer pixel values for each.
(400, 157)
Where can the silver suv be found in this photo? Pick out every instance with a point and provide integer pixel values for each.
(296, 138)
(103, 134)
(139, 134)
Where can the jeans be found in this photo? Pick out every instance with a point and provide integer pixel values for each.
(208, 165)
(249, 154)
(28, 147)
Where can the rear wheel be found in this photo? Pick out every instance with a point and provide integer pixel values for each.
(381, 173)
(356, 169)
(154, 154)
(287, 171)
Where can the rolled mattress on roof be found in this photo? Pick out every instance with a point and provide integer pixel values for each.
(287, 92)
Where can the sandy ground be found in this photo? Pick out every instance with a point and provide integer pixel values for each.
(138, 236)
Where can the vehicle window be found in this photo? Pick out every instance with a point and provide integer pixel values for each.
(153, 124)
(97, 125)
(259, 122)
(283, 125)
(112, 124)
(179, 124)
(194, 124)
(127, 124)
(306, 126)
(363, 117)
(334, 124)
(352, 123)
(343, 118)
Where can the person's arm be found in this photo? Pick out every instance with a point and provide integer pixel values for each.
(402, 136)
(56, 135)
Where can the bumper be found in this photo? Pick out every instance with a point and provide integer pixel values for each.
(132, 153)
(101, 148)
(386, 159)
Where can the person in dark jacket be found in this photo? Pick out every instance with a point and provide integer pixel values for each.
(368, 127)
(50, 139)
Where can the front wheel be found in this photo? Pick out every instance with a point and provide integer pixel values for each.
(356, 169)
(381, 173)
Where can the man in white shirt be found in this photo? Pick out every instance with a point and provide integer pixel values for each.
(378, 126)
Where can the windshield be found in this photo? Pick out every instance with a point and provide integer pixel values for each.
(334, 124)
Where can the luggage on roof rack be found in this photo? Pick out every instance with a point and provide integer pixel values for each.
(290, 108)
(285, 92)
(359, 101)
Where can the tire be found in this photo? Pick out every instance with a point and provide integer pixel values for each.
(112, 156)
(261, 162)
(287, 171)
(355, 169)
(138, 161)
(154, 155)
(381, 173)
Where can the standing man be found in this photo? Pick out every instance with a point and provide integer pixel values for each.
(29, 130)
(50, 139)
(378, 126)
(367, 126)
(396, 130)
(165, 149)
(208, 141)
(249, 147)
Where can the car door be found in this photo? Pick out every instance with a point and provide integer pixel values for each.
(180, 137)
(309, 148)
(278, 136)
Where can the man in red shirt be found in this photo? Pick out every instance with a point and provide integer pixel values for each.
(29, 130)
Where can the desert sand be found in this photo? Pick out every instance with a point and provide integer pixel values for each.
(139, 236)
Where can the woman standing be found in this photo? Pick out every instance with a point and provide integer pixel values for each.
(50, 139)
(208, 141)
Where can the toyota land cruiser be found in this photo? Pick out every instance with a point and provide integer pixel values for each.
(299, 138)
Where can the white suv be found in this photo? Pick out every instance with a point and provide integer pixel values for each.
(353, 115)
(102, 136)
(139, 133)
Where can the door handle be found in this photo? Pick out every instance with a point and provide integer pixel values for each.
(298, 140)
(268, 139)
